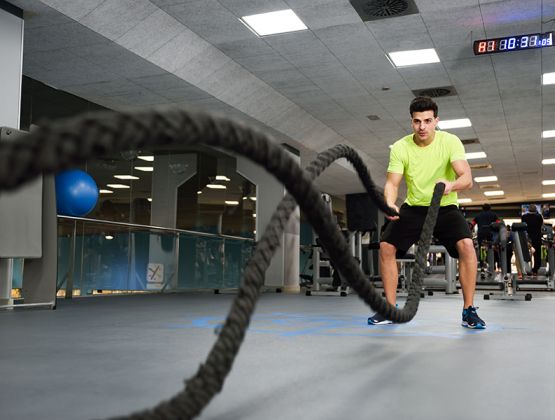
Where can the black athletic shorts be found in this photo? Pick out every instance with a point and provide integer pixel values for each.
(450, 228)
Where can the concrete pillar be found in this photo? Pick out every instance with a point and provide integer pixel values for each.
(170, 172)
(283, 272)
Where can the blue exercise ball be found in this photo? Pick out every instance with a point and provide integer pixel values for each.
(76, 193)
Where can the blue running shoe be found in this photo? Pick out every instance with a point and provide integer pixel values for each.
(378, 319)
(470, 319)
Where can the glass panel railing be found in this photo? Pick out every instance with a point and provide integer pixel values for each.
(236, 256)
(153, 260)
(201, 262)
(102, 258)
(92, 257)
(112, 257)
(66, 253)
(17, 279)
(212, 262)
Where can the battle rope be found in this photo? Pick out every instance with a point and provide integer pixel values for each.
(60, 144)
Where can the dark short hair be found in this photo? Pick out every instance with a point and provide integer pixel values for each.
(421, 104)
(486, 207)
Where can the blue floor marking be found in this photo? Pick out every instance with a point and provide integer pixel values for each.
(295, 325)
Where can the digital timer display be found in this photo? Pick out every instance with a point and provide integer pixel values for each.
(513, 43)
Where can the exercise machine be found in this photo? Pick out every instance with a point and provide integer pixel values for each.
(545, 280)
(509, 280)
(440, 276)
(326, 280)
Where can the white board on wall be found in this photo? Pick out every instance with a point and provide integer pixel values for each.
(20, 210)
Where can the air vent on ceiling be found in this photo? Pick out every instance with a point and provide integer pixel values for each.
(496, 198)
(470, 141)
(373, 117)
(480, 166)
(381, 9)
(436, 92)
(489, 186)
(529, 172)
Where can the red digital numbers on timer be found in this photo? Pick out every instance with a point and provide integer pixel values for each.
(487, 46)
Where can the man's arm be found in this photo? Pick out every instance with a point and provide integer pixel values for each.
(391, 191)
(464, 177)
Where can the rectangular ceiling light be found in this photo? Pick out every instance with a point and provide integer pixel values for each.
(413, 57)
(274, 22)
(548, 78)
(464, 200)
(144, 168)
(548, 182)
(102, 191)
(216, 186)
(126, 177)
(493, 193)
(548, 195)
(459, 123)
(475, 155)
(548, 162)
(548, 134)
(118, 186)
(485, 178)
(147, 158)
(222, 178)
(231, 202)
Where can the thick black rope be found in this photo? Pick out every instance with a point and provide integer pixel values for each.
(58, 145)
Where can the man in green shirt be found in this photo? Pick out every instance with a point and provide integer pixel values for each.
(425, 158)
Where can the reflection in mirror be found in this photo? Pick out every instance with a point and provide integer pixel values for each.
(217, 199)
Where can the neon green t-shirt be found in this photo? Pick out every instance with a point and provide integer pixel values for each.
(423, 166)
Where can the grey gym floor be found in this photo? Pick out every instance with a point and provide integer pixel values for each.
(303, 358)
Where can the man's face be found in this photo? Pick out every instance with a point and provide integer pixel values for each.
(424, 124)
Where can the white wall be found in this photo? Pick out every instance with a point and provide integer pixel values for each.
(11, 51)
(11, 59)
